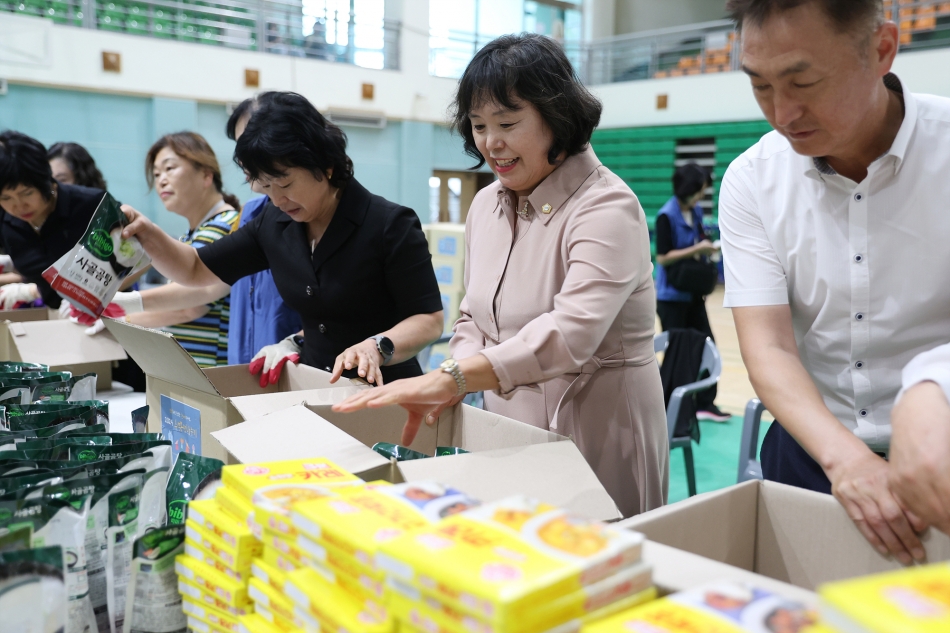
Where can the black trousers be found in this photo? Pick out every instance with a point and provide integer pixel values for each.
(785, 461)
(692, 314)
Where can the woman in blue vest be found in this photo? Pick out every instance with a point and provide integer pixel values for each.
(680, 235)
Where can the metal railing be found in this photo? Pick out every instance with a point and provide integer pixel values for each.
(712, 47)
(273, 26)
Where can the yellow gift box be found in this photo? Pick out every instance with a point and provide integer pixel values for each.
(333, 606)
(209, 579)
(214, 518)
(199, 553)
(499, 561)
(237, 558)
(210, 616)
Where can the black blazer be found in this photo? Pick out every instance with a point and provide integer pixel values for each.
(33, 252)
(371, 270)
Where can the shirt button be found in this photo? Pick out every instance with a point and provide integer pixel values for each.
(863, 412)
(858, 197)
(859, 364)
(322, 328)
(859, 258)
(859, 316)
(309, 291)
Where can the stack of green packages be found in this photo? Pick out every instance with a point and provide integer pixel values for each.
(76, 502)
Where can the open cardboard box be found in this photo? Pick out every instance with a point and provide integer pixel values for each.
(28, 336)
(507, 457)
(788, 534)
(171, 371)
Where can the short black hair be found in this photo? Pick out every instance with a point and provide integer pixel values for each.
(80, 162)
(534, 69)
(287, 131)
(246, 107)
(690, 179)
(846, 15)
(23, 162)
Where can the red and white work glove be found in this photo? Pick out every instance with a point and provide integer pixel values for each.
(12, 295)
(270, 361)
(94, 325)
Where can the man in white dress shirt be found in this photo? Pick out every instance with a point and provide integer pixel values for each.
(835, 229)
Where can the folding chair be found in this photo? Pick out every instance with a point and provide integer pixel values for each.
(711, 362)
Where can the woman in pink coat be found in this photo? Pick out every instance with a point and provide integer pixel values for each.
(557, 323)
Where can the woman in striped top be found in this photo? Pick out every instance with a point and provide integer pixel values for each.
(184, 171)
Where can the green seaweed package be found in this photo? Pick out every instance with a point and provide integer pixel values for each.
(41, 420)
(397, 452)
(12, 366)
(59, 448)
(50, 431)
(95, 429)
(117, 438)
(12, 468)
(69, 389)
(89, 274)
(33, 590)
(186, 480)
(27, 481)
(87, 454)
(101, 407)
(52, 522)
(156, 462)
(114, 500)
(153, 603)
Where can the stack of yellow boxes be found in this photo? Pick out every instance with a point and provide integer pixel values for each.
(263, 494)
(345, 589)
(447, 246)
(513, 565)
(214, 571)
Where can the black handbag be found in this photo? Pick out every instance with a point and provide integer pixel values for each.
(693, 276)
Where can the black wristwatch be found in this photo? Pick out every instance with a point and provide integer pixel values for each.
(385, 347)
(298, 340)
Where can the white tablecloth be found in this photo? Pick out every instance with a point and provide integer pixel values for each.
(122, 401)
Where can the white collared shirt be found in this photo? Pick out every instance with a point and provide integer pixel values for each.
(865, 267)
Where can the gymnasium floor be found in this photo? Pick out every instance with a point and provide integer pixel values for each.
(716, 457)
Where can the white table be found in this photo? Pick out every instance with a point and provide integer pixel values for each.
(122, 401)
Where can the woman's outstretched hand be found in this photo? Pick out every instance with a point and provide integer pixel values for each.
(424, 397)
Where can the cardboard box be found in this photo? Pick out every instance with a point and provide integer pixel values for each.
(451, 303)
(449, 272)
(506, 456)
(61, 344)
(171, 371)
(789, 534)
(446, 239)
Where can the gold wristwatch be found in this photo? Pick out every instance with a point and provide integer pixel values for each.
(451, 367)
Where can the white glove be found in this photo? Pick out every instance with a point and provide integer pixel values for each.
(12, 294)
(95, 328)
(131, 302)
(272, 358)
(65, 309)
(6, 264)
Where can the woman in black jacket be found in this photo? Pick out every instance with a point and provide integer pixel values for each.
(355, 266)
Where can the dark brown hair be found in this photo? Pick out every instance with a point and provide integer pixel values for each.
(846, 15)
(534, 69)
(195, 149)
(80, 163)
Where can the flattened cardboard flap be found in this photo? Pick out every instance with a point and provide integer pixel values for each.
(296, 433)
(61, 342)
(251, 407)
(160, 355)
(555, 473)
